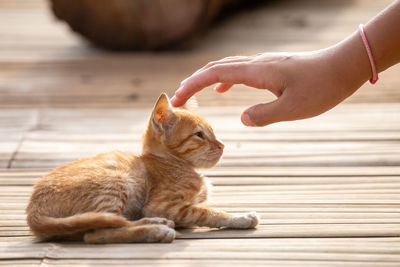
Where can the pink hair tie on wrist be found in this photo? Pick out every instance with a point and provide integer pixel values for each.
(374, 77)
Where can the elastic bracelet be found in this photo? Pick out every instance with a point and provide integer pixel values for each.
(374, 77)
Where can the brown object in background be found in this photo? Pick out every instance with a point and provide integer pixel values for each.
(138, 24)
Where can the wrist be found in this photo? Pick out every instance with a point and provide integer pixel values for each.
(350, 60)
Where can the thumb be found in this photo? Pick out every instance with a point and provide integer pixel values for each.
(266, 113)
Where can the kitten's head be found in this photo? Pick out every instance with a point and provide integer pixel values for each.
(181, 134)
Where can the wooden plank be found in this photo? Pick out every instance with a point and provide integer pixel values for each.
(271, 181)
(19, 227)
(47, 154)
(355, 120)
(11, 206)
(391, 172)
(291, 171)
(30, 162)
(75, 134)
(18, 221)
(269, 217)
(281, 230)
(205, 262)
(21, 263)
(238, 249)
(19, 206)
(260, 199)
(286, 174)
(14, 125)
(243, 191)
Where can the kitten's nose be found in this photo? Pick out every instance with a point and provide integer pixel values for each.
(220, 145)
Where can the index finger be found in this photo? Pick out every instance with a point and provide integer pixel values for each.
(231, 73)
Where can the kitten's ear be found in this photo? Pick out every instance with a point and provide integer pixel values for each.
(163, 116)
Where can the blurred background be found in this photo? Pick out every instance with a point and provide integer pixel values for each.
(79, 77)
(46, 64)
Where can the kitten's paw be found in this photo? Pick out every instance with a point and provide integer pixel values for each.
(94, 237)
(246, 221)
(162, 234)
(157, 220)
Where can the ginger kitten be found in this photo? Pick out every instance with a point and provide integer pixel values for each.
(119, 197)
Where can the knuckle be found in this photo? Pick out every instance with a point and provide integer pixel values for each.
(230, 58)
(211, 63)
(192, 84)
(215, 68)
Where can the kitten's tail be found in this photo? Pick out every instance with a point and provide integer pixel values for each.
(45, 227)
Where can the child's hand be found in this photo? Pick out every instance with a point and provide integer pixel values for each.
(306, 84)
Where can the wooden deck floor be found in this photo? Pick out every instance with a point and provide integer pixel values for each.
(327, 189)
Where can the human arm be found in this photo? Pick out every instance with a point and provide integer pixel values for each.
(306, 84)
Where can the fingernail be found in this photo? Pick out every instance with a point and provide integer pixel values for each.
(246, 119)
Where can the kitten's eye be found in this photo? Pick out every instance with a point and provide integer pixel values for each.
(199, 134)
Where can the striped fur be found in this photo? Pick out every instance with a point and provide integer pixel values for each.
(119, 197)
